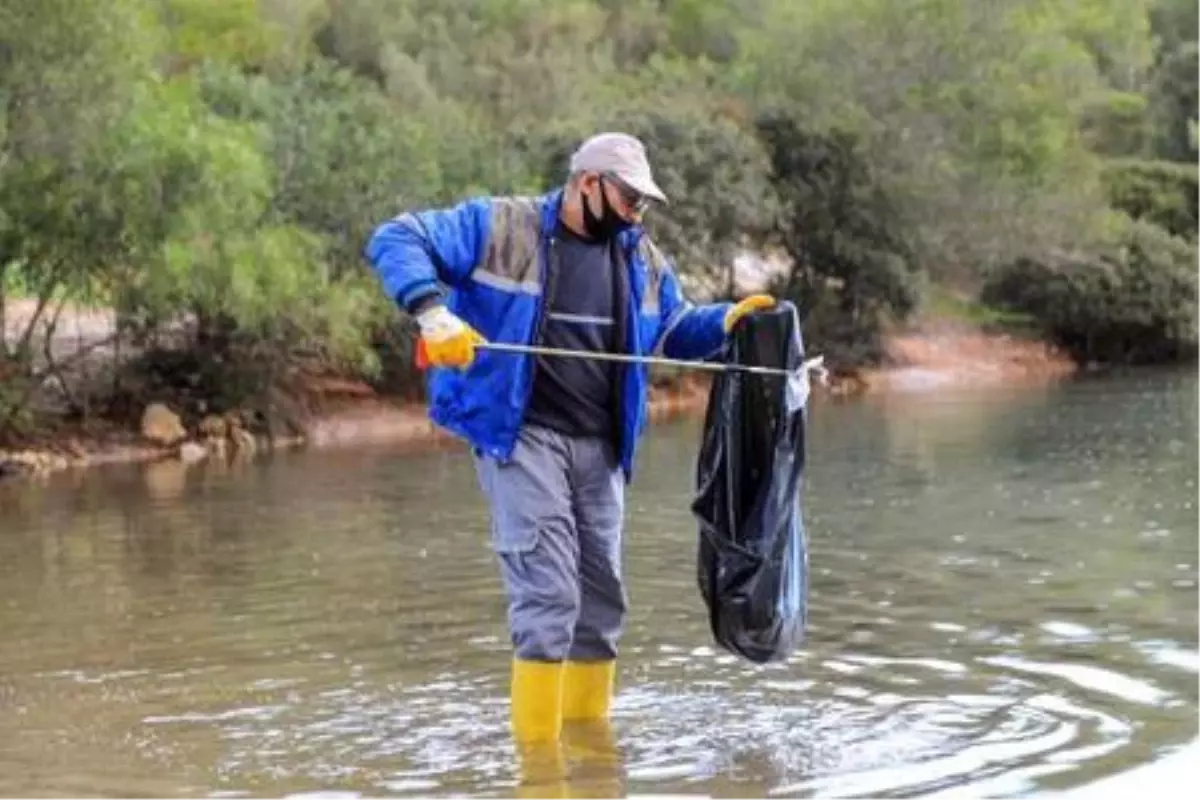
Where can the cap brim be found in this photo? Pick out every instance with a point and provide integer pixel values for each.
(645, 185)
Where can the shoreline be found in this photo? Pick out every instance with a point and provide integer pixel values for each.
(923, 361)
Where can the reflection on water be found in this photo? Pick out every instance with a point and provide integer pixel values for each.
(1004, 600)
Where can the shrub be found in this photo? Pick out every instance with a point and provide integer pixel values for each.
(1131, 301)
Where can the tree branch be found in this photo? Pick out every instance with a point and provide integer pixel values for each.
(52, 367)
(74, 358)
(38, 377)
(44, 298)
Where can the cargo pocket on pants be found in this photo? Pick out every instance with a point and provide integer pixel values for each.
(510, 534)
(515, 529)
(512, 529)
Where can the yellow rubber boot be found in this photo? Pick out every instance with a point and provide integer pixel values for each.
(537, 697)
(587, 689)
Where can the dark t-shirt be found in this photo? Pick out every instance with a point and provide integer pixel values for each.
(572, 395)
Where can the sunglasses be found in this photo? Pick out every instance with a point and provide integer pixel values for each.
(631, 197)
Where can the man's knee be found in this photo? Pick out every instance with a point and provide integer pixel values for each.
(543, 613)
(533, 535)
(542, 581)
(604, 602)
(542, 636)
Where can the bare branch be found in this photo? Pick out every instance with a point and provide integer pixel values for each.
(74, 358)
(52, 367)
(44, 298)
(38, 377)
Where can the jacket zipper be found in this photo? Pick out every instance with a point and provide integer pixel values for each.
(625, 301)
(632, 302)
(539, 321)
(548, 282)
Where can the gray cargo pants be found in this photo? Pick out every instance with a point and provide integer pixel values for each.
(557, 508)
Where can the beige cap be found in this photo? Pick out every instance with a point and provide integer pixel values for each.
(622, 155)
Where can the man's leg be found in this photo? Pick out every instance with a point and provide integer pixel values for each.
(599, 514)
(533, 534)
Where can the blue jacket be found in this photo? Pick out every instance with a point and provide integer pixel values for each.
(492, 252)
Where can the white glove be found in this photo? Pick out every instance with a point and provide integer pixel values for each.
(446, 341)
(439, 323)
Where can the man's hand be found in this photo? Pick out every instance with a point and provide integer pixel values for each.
(754, 302)
(446, 341)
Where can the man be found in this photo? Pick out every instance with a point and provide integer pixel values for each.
(554, 438)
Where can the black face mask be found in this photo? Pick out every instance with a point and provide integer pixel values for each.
(608, 224)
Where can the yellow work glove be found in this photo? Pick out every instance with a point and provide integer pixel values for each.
(446, 341)
(754, 302)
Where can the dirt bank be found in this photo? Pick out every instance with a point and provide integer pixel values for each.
(351, 419)
(935, 358)
(948, 356)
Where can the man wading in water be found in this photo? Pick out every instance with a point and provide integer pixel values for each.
(554, 439)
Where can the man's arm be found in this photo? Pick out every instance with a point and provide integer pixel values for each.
(697, 332)
(416, 250)
(413, 253)
(689, 331)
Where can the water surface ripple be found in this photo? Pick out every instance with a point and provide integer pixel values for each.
(1003, 602)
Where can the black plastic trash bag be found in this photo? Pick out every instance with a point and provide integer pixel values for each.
(753, 554)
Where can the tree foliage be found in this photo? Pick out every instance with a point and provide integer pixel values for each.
(211, 170)
(1161, 192)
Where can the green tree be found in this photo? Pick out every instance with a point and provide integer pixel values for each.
(69, 71)
(343, 157)
(1173, 23)
(1174, 104)
(231, 31)
(968, 112)
(853, 266)
(248, 290)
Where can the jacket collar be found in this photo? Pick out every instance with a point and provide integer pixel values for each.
(551, 205)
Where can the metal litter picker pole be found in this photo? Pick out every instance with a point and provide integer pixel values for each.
(816, 363)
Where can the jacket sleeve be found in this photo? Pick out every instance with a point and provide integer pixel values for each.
(416, 251)
(689, 331)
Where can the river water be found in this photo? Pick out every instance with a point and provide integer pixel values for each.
(1004, 602)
